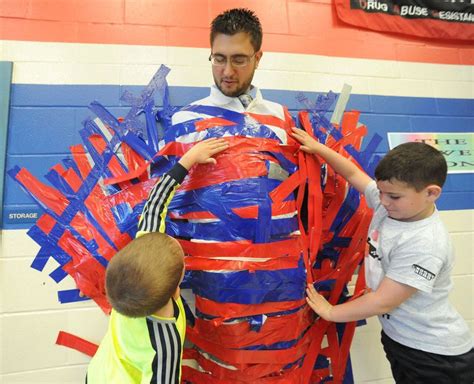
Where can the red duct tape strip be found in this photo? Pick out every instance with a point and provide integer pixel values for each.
(233, 310)
(248, 373)
(240, 335)
(114, 164)
(238, 146)
(80, 158)
(230, 166)
(133, 160)
(132, 195)
(269, 120)
(197, 264)
(286, 187)
(231, 356)
(278, 208)
(202, 125)
(86, 271)
(77, 343)
(317, 332)
(48, 196)
(292, 376)
(95, 204)
(46, 223)
(287, 248)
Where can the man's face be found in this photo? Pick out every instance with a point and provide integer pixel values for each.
(234, 80)
(405, 203)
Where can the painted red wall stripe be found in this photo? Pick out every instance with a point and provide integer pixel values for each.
(289, 26)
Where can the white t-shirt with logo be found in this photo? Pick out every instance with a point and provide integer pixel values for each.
(418, 254)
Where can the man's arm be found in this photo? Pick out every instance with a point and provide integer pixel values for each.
(388, 296)
(344, 167)
(156, 206)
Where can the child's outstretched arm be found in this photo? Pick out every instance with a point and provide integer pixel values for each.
(388, 296)
(156, 207)
(355, 176)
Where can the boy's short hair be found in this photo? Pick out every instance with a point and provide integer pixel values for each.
(238, 20)
(416, 164)
(142, 277)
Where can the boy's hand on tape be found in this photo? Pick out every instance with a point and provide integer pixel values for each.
(202, 152)
(318, 303)
(308, 143)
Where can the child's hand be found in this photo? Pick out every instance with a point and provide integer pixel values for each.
(308, 143)
(202, 152)
(318, 303)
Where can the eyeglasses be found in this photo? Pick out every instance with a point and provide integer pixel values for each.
(219, 60)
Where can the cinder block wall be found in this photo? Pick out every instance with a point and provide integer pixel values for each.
(69, 53)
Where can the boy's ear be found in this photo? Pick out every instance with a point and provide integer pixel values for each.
(177, 293)
(433, 191)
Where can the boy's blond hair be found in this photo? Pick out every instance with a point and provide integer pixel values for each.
(143, 276)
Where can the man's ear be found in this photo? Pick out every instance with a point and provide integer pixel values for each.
(433, 191)
(258, 56)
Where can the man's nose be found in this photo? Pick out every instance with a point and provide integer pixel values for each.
(228, 68)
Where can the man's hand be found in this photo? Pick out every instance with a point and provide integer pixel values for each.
(308, 143)
(202, 152)
(318, 303)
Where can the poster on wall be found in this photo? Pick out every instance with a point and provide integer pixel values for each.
(439, 19)
(457, 148)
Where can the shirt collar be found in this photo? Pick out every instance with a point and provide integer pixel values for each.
(221, 99)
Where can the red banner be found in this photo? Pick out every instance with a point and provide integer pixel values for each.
(438, 19)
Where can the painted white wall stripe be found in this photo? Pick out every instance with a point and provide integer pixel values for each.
(72, 63)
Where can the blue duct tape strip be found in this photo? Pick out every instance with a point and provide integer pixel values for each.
(231, 194)
(264, 226)
(256, 322)
(58, 274)
(321, 362)
(320, 121)
(49, 248)
(76, 205)
(322, 104)
(248, 229)
(125, 131)
(246, 287)
(165, 115)
(326, 253)
(324, 285)
(366, 158)
(71, 296)
(347, 210)
(243, 129)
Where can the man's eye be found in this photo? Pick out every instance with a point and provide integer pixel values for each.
(394, 197)
(219, 59)
(239, 60)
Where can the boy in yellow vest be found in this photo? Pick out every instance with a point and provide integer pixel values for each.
(144, 341)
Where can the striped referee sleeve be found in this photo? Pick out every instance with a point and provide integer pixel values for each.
(156, 206)
(166, 342)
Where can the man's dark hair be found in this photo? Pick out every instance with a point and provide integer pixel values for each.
(238, 20)
(417, 164)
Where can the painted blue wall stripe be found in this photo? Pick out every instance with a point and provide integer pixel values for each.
(45, 120)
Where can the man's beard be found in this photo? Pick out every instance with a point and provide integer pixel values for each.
(242, 89)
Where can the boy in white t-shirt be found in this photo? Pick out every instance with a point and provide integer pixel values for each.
(408, 266)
